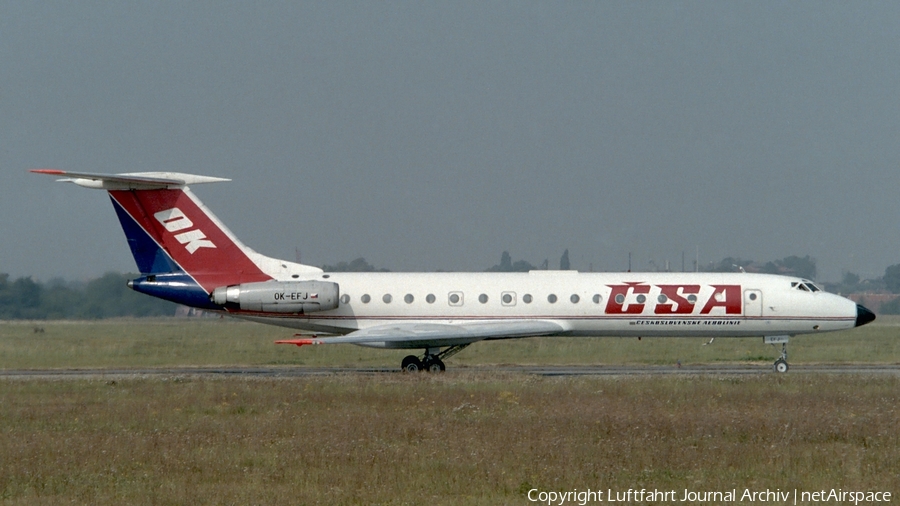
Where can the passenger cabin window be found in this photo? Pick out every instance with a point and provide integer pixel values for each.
(455, 298)
(527, 298)
(365, 298)
(409, 298)
(430, 298)
(387, 298)
(483, 298)
(551, 298)
(345, 299)
(508, 298)
(597, 298)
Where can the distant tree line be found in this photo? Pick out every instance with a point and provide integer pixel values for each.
(507, 265)
(104, 297)
(889, 283)
(851, 283)
(358, 265)
(803, 267)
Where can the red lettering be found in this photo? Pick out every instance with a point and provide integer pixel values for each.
(677, 303)
(727, 296)
(616, 302)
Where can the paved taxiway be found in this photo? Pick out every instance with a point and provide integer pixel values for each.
(589, 370)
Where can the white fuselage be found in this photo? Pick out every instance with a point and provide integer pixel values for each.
(186, 255)
(586, 304)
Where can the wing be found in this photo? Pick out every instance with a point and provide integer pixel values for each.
(433, 335)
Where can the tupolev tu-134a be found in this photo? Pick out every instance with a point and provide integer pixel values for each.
(186, 255)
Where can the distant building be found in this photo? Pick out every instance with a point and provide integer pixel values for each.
(873, 300)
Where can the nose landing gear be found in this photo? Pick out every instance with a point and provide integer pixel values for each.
(781, 364)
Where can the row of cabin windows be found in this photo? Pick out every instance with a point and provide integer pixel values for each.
(506, 298)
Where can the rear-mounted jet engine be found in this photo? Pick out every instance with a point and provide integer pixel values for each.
(278, 297)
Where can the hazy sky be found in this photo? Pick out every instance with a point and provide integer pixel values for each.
(429, 136)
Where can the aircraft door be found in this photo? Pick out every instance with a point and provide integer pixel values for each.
(753, 304)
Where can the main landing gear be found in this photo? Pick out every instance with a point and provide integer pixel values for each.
(781, 364)
(432, 361)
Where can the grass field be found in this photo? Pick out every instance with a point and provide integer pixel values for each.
(174, 342)
(463, 437)
(458, 438)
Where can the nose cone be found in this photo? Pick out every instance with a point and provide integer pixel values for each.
(863, 315)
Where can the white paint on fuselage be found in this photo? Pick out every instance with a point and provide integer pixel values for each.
(778, 308)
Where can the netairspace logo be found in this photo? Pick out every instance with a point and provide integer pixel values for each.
(583, 497)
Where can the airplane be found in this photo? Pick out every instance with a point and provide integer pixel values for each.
(186, 255)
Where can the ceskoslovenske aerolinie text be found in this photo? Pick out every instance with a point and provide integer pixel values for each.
(583, 497)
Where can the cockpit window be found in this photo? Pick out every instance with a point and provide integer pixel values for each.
(806, 286)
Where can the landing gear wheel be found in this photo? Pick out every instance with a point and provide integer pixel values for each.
(434, 364)
(781, 365)
(411, 363)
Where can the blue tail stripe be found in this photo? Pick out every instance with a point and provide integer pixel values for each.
(178, 288)
(149, 256)
(161, 275)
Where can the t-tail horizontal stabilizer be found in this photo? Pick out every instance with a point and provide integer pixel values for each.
(132, 180)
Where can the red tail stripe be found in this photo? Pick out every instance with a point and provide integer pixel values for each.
(190, 237)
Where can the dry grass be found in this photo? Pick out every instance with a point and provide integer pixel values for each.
(174, 342)
(457, 438)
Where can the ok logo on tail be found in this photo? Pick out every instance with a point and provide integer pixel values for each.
(175, 221)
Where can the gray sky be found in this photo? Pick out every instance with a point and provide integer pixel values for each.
(429, 136)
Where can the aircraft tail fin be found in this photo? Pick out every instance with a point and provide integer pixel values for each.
(183, 251)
